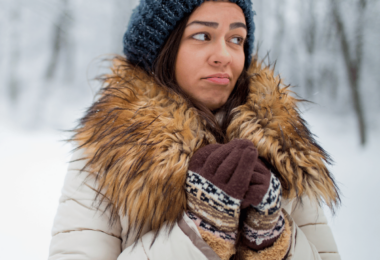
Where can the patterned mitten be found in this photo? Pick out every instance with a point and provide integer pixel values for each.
(264, 221)
(218, 178)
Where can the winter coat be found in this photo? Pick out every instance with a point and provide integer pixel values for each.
(125, 186)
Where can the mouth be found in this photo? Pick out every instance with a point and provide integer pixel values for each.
(221, 81)
(220, 78)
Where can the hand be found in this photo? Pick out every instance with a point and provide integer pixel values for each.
(227, 166)
(258, 186)
(219, 176)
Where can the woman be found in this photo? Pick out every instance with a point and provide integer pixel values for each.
(193, 150)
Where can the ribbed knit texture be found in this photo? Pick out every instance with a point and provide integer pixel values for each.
(152, 21)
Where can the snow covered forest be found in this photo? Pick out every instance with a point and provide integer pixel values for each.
(52, 51)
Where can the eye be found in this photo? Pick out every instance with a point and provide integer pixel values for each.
(201, 36)
(237, 40)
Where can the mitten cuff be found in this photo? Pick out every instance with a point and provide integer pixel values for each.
(229, 237)
(211, 203)
(271, 203)
(221, 247)
(266, 235)
(278, 251)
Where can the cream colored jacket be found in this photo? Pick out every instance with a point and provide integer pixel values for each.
(81, 232)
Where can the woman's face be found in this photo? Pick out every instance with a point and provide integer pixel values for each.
(211, 56)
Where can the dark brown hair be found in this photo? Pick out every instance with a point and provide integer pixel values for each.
(164, 74)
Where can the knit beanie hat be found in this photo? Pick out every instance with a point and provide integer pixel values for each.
(152, 21)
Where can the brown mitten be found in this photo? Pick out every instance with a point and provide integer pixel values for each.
(259, 184)
(218, 178)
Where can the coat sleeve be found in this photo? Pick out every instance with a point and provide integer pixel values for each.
(311, 236)
(80, 231)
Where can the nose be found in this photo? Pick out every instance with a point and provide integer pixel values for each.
(220, 56)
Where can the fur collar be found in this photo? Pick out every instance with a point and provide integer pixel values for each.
(138, 139)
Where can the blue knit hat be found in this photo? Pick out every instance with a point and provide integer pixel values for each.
(152, 21)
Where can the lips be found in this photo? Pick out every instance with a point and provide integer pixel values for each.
(219, 78)
(222, 81)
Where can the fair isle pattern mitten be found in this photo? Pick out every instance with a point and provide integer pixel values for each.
(218, 178)
(219, 211)
(229, 237)
(215, 213)
(265, 222)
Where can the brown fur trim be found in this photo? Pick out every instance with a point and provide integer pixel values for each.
(278, 251)
(270, 119)
(138, 139)
(221, 247)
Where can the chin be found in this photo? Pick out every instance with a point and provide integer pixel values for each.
(213, 102)
(215, 106)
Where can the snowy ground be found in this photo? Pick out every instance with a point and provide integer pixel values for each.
(355, 225)
(34, 164)
(33, 169)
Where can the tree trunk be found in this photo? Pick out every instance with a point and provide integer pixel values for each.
(354, 85)
(13, 82)
(279, 37)
(309, 35)
(353, 63)
(60, 42)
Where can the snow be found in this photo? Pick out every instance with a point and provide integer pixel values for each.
(355, 225)
(34, 165)
(33, 169)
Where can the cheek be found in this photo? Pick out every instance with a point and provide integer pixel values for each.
(181, 65)
(239, 64)
(186, 68)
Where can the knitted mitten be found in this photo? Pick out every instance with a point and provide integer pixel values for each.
(264, 220)
(218, 178)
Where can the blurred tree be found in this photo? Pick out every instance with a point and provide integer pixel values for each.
(61, 43)
(352, 51)
(309, 32)
(122, 12)
(281, 23)
(14, 60)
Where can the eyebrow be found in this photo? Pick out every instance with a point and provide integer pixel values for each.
(237, 25)
(215, 25)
